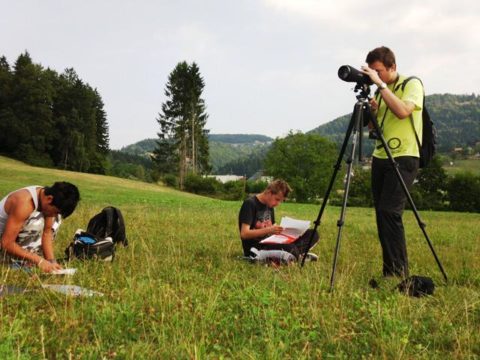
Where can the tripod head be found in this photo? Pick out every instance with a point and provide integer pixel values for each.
(363, 92)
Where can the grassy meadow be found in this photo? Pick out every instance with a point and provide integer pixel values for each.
(470, 165)
(180, 291)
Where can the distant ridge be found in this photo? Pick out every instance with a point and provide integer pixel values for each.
(456, 117)
(226, 150)
(239, 138)
(147, 145)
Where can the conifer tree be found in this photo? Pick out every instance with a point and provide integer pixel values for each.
(31, 102)
(182, 146)
(10, 127)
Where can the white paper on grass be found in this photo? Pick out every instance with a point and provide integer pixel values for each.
(72, 290)
(292, 228)
(68, 271)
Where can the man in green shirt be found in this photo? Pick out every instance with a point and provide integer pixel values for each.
(398, 111)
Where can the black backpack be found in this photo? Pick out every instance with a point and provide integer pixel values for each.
(86, 246)
(109, 223)
(429, 136)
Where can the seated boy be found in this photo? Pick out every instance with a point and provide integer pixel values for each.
(29, 218)
(256, 221)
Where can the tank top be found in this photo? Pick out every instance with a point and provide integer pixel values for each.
(3, 213)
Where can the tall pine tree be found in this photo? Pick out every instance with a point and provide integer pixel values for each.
(10, 127)
(31, 102)
(182, 146)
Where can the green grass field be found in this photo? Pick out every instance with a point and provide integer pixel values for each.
(180, 291)
(471, 165)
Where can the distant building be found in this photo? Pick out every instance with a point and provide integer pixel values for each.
(258, 176)
(226, 178)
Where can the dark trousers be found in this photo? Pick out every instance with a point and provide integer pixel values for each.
(389, 200)
(296, 248)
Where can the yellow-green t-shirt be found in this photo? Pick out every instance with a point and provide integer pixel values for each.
(398, 133)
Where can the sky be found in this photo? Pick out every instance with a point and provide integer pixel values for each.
(269, 66)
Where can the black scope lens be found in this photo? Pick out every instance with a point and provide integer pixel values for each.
(350, 74)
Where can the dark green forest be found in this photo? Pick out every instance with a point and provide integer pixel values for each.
(50, 119)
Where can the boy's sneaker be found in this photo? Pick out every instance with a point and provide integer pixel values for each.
(311, 257)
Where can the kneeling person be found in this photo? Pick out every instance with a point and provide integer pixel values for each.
(256, 221)
(29, 218)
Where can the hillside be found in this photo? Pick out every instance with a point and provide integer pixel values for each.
(456, 117)
(181, 291)
(239, 138)
(225, 150)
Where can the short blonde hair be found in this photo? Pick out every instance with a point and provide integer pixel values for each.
(279, 186)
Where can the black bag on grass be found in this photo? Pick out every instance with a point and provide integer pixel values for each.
(417, 286)
(86, 246)
(109, 223)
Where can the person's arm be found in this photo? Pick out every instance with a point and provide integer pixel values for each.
(401, 109)
(247, 233)
(47, 241)
(18, 214)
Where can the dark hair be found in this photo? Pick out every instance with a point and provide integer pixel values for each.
(382, 54)
(279, 186)
(65, 197)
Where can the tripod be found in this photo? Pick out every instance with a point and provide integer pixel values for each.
(361, 116)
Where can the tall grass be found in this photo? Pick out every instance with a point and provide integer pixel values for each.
(180, 290)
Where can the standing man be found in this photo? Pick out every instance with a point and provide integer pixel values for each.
(29, 218)
(399, 114)
(256, 221)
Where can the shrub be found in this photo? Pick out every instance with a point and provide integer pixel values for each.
(464, 192)
(428, 192)
(198, 184)
(233, 190)
(255, 187)
(170, 180)
(361, 189)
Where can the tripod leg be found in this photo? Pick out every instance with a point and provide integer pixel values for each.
(421, 224)
(336, 167)
(356, 131)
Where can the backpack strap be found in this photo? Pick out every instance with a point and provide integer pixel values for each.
(109, 220)
(120, 231)
(379, 98)
(402, 85)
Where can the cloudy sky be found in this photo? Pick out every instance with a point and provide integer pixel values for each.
(270, 66)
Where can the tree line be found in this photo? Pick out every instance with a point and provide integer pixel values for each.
(50, 119)
(306, 162)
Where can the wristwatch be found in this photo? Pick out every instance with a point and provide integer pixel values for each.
(382, 86)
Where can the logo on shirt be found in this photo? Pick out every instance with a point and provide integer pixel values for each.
(264, 219)
(394, 143)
